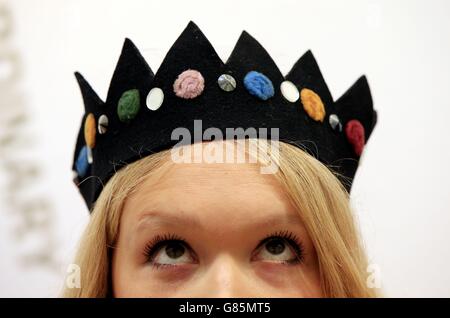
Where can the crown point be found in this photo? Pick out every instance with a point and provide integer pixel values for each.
(80, 79)
(306, 73)
(191, 28)
(247, 37)
(90, 98)
(362, 80)
(132, 71)
(244, 33)
(192, 24)
(127, 43)
(129, 47)
(309, 54)
(358, 94)
(248, 54)
(193, 50)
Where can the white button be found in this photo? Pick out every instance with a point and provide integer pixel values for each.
(155, 98)
(335, 123)
(103, 124)
(90, 157)
(226, 82)
(289, 91)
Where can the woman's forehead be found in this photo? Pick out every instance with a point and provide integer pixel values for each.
(214, 192)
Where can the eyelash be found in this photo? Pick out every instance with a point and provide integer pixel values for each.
(293, 242)
(156, 243)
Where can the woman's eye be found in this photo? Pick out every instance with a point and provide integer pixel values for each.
(277, 249)
(171, 253)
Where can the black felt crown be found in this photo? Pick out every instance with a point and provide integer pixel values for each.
(123, 142)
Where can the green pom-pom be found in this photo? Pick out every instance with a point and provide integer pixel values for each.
(128, 106)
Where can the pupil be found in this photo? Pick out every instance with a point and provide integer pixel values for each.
(275, 246)
(174, 250)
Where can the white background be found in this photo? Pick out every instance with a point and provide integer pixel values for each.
(402, 191)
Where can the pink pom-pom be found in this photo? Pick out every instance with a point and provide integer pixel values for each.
(354, 131)
(189, 84)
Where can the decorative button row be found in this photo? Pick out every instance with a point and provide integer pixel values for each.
(190, 84)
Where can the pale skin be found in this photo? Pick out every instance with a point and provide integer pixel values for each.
(230, 231)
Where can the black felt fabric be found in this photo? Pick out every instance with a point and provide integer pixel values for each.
(151, 131)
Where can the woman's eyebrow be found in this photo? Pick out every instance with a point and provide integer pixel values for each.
(161, 218)
(158, 218)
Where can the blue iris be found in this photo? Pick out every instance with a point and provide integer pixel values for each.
(82, 163)
(259, 85)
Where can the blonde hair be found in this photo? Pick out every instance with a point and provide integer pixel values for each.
(317, 194)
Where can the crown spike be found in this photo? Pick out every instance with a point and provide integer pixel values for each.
(357, 103)
(191, 50)
(306, 73)
(361, 90)
(249, 55)
(132, 71)
(90, 98)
